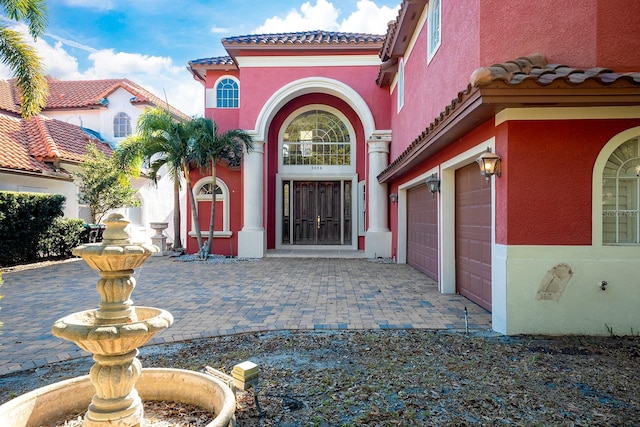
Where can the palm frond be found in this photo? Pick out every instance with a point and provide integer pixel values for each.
(25, 65)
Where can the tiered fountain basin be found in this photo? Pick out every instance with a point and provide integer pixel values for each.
(119, 338)
(113, 391)
(64, 399)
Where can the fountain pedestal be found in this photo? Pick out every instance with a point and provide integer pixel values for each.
(114, 331)
(159, 239)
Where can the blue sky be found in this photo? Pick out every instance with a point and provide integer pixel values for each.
(151, 41)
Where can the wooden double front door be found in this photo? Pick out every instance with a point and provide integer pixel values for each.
(316, 212)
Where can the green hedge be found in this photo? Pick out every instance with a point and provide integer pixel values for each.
(63, 235)
(25, 219)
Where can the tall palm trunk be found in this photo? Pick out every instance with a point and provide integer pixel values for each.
(194, 207)
(212, 218)
(177, 238)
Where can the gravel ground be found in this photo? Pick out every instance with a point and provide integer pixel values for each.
(407, 378)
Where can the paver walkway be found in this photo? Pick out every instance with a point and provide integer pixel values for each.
(210, 300)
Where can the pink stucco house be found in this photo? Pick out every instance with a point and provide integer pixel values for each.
(348, 129)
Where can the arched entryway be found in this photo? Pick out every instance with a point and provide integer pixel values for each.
(316, 180)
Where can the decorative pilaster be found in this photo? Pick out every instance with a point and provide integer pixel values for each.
(252, 241)
(378, 236)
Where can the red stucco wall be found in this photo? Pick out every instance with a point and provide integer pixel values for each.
(259, 84)
(544, 196)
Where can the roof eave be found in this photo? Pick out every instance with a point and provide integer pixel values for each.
(482, 104)
(403, 30)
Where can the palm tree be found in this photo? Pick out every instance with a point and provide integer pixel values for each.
(161, 141)
(210, 147)
(21, 58)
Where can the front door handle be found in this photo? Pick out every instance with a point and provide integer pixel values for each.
(318, 222)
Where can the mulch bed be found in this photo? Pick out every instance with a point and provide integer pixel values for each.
(408, 377)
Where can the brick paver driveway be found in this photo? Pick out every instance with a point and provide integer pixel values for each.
(209, 300)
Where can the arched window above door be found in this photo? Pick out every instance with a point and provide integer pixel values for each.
(621, 195)
(316, 138)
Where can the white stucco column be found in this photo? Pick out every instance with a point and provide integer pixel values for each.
(378, 236)
(252, 242)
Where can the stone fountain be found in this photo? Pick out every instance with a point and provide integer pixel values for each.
(112, 333)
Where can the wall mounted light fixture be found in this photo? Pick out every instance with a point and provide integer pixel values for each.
(489, 164)
(433, 184)
(393, 197)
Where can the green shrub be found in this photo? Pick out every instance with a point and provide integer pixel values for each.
(63, 235)
(25, 219)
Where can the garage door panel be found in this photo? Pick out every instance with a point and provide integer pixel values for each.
(473, 236)
(422, 231)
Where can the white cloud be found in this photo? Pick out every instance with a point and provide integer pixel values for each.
(322, 16)
(108, 63)
(369, 18)
(218, 30)
(156, 74)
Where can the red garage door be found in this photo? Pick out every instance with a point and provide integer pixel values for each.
(473, 235)
(422, 231)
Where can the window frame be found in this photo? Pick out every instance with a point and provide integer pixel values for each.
(400, 85)
(434, 29)
(219, 99)
(117, 127)
(314, 169)
(597, 192)
(616, 182)
(223, 196)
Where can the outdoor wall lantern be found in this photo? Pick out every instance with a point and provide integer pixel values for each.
(393, 197)
(433, 184)
(489, 164)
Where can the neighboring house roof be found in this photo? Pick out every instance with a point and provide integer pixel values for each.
(39, 145)
(306, 41)
(86, 94)
(524, 82)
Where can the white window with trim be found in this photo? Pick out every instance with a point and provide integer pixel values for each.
(400, 84)
(621, 195)
(121, 125)
(434, 28)
(203, 192)
(227, 93)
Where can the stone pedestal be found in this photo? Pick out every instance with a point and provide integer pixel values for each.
(114, 331)
(159, 240)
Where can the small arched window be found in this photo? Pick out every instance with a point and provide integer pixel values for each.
(621, 195)
(202, 194)
(227, 93)
(121, 125)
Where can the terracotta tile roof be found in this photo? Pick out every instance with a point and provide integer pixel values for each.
(526, 81)
(7, 99)
(35, 145)
(217, 60)
(534, 69)
(69, 94)
(318, 37)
